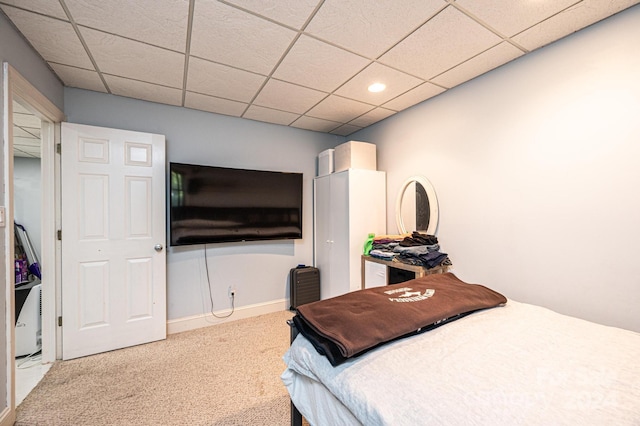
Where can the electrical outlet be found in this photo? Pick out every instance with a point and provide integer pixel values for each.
(231, 291)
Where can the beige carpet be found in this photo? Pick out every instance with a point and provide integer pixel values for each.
(226, 374)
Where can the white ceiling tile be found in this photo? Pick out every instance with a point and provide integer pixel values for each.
(340, 109)
(370, 27)
(371, 117)
(213, 104)
(26, 151)
(270, 115)
(224, 34)
(397, 83)
(55, 40)
(414, 96)
(161, 23)
(288, 97)
(19, 132)
(17, 108)
(145, 91)
(131, 59)
(488, 60)
(78, 77)
(47, 7)
(345, 130)
(26, 120)
(442, 43)
(569, 21)
(318, 65)
(222, 81)
(26, 142)
(509, 17)
(34, 132)
(316, 124)
(27, 132)
(289, 12)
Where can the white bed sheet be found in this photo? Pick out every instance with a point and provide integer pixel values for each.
(517, 364)
(315, 402)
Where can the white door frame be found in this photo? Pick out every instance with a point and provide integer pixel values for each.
(17, 87)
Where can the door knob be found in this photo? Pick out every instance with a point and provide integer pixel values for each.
(157, 247)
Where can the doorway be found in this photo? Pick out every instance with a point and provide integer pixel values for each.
(23, 96)
(27, 196)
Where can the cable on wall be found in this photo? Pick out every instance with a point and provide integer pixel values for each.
(233, 296)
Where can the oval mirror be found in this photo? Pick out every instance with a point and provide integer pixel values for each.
(417, 206)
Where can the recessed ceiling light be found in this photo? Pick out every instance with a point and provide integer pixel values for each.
(377, 87)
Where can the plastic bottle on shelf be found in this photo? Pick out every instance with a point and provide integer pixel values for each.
(368, 245)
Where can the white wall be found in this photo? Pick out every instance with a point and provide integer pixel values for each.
(536, 167)
(258, 270)
(28, 198)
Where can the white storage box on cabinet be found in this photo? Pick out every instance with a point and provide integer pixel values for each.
(355, 155)
(348, 205)
(325, 162)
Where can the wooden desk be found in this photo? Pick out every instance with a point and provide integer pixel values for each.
(379, 275)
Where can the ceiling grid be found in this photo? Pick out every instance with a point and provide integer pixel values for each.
(301, 63)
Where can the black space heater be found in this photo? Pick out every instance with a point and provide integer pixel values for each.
(304, 285)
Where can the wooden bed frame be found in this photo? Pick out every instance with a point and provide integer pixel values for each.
(296, 416)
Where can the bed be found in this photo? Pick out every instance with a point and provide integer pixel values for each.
(511, 364)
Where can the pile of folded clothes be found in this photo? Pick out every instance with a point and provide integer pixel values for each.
(414, 249)
(383, 245)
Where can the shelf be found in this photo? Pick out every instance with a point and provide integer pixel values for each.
(419, 271)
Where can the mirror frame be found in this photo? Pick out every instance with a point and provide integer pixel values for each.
(433, 204)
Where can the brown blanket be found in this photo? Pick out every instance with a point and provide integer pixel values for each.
(346, 326)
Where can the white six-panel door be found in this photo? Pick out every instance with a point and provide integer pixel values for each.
(113, 237)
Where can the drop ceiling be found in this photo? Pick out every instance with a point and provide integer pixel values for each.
(299, 63)
(26, 132)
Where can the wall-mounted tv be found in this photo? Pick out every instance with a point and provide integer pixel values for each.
(217, 204)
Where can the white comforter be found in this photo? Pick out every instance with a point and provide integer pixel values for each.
(512, 365)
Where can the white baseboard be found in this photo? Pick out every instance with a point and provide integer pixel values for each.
(7, 417)
(205, 320)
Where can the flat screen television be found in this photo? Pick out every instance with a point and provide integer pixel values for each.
(217, 204)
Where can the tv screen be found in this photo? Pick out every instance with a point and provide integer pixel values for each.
(217, 204)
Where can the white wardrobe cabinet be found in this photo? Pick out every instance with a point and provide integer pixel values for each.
(348, 205)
